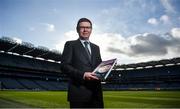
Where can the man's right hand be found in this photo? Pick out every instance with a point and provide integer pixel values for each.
(90, 76)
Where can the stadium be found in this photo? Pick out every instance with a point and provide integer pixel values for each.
(31, 77)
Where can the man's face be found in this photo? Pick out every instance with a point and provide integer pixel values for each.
(85, 29)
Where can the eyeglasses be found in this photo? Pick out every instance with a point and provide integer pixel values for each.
(85, 27)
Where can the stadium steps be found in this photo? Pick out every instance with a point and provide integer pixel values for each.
(40, 85)
(25, 87)
(11, 83)
(29, 84)
(52, 83)
(46, 84)
(59, 85)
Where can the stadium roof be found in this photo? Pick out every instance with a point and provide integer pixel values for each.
(8, 44)
(165, 62)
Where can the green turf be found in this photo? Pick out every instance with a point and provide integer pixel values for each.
(142, 99)
(112, 99)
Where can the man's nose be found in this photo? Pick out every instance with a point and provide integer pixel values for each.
(85, 29)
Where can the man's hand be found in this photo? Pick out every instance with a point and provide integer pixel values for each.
(90, 76)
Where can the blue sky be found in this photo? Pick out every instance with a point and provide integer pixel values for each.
(130, 30)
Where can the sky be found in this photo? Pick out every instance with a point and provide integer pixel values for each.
(132, 31)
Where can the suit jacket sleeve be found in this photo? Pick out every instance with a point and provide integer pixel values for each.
(67, 63)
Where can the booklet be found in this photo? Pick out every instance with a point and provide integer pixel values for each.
(104, 68)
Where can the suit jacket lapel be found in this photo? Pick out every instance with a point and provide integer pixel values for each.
(93, 53)
(83, 51)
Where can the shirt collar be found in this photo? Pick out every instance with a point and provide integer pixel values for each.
(82, 41)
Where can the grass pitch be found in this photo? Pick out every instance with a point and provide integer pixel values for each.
(112, 99)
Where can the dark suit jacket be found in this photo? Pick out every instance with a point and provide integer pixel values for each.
(75, 63)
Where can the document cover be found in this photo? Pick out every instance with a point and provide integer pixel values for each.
(104, 68)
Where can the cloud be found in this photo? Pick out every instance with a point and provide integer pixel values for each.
(136, 48)
(55, 10)
(141, 45)
(165, 19)
(31, 29)
(49, 27)
(43, 26)
(18, 40)
(148, 44)
(175, 32)
(153, 21)
(167, 5)
(70, 35)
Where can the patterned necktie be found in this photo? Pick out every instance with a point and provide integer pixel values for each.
(87, 50)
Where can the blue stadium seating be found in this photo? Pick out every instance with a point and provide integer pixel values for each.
(155, 78)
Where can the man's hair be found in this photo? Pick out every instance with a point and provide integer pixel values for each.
(82, 20)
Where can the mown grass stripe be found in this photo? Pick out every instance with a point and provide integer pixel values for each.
(112, 99)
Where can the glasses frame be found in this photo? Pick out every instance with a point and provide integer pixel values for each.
(85, 27)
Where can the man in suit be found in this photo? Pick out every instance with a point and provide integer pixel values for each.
(79, 58)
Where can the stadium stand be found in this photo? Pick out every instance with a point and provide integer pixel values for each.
(154, 75)
(26, 67)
